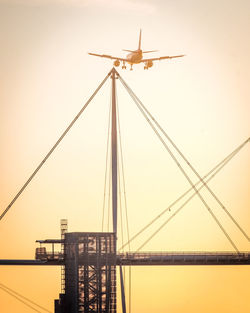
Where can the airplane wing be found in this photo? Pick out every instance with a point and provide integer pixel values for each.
(108, 57)
(162, 58)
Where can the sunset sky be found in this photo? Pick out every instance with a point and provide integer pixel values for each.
(201, 100)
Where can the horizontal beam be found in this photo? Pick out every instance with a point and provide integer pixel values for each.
(149, 259)
(31, 262)
(51, 241)
(191, 258)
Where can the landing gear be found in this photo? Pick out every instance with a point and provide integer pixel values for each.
(124, 66)
(131, 68)
(148, 64)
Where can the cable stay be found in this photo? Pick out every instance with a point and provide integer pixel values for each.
(109, 195)
(119, 169)
(185, 203)
(122, 207)
(106, 168)
(53, 148)
(139, 103)
(122, 179)
(121, 188)
(107, 176)
(183, 171)
(123, 175)
(217, 168)
(23, 299)
(120, 200)
(140, 107)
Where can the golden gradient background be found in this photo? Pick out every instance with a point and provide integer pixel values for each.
(202, 101)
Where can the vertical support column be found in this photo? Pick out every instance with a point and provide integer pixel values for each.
(112, 307)
(64, 229)
(114, 152)
(122, 291)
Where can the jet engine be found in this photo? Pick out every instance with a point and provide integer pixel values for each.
(148, 64)
(116, 63)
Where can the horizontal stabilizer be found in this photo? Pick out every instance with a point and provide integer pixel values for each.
(128, 50)
(150, 51)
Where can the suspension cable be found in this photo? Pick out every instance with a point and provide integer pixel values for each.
(106, 167)
(53, 148)
(185, 203)
(125, 204)
(226, 159)
(109, 193)
(120, 201)
(123, 174)
(181, 168)
(119, 174)
(19, 297)
(183, 157)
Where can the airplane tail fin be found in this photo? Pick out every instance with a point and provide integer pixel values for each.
(139, 46)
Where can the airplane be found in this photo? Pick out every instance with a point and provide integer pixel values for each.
(136, 57)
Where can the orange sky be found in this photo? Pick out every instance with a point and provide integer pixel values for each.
(202, 101)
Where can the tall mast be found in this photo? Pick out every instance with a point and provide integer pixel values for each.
(114, 151)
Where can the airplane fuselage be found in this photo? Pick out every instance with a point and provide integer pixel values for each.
(134, 57)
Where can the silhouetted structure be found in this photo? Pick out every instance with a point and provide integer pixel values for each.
(90, 274)
(89, 260)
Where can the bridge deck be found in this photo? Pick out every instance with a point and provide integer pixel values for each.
(158, 258)
(184, 258)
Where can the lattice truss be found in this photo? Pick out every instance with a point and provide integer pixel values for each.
(90, 272)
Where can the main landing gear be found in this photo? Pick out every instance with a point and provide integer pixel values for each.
(124, 66)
